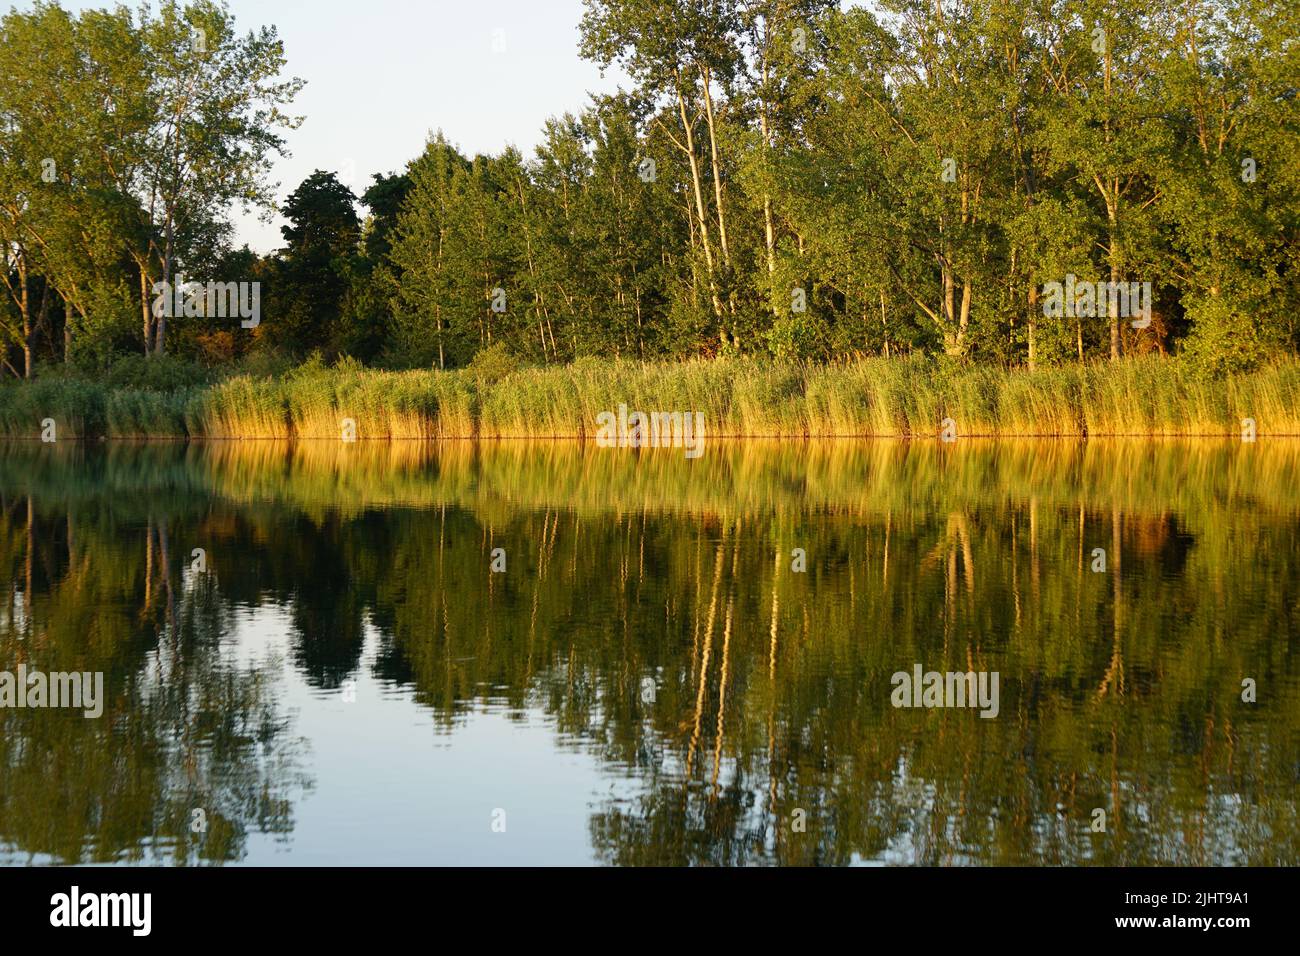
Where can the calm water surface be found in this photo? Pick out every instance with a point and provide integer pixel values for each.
(650, 681)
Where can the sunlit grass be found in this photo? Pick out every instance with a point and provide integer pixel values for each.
(1151, 396)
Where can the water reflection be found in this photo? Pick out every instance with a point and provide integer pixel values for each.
(723, 707)
(191, 751)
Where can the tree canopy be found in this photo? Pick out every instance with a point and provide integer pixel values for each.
(782, 178)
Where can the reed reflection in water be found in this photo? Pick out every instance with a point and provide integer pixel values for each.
(651, 681)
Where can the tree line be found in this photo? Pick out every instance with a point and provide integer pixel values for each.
(781, 177)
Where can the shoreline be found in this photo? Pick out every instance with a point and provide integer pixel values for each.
(737, 398)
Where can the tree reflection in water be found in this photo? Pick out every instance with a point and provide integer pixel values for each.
(652, 614)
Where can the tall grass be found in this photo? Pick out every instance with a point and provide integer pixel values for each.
(738, 397)
(240, 407)
(77, 408)
(139, 414)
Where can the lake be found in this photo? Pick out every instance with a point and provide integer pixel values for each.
(553, 653)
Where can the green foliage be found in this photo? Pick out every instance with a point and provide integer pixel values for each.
(128, 136)
(1227, 338)
(799, 336)
(163, 373)
(493, 364)
(920, 177)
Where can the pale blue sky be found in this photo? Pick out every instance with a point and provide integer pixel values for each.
(382, 74)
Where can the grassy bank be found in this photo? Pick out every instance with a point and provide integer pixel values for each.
(873, 397)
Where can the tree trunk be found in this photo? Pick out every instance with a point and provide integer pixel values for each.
(884, 323)
(1112, 308)
(145, 308)
(160, 329)
(717, 173)
(769, 230)
(699, 203)
(964, 323)
(28, 328)
(1033, 327)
